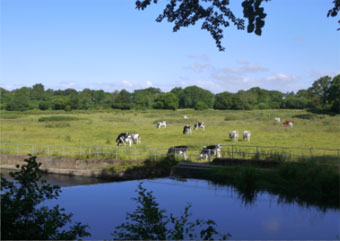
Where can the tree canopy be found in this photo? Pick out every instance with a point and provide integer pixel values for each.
(216, 15)
(321, 96)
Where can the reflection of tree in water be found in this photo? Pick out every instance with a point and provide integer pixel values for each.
(306, 184)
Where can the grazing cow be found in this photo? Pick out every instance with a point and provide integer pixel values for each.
(186, 117)
(124, 138)
(246, 135)
(288, 123)
(233, 135)
(187, 130)
(161, 123)
(178, 150)
(277, 120)
(207, 151)
(136, 138)
(199, 124)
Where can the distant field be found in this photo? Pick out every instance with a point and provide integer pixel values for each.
(85, 128)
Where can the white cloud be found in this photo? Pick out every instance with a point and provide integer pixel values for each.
(148, 83)
(245, 68)
(127, 83)
(201, 57)
(67, 85)
(198, 68)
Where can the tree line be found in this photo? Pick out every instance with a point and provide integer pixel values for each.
(322, 96)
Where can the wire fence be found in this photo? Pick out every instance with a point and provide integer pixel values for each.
(135, 152)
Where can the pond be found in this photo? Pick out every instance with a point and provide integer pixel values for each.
(103, 206)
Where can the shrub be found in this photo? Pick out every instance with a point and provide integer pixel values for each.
(23, 217)
(58, 118)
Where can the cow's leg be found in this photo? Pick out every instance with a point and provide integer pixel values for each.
(122, 140)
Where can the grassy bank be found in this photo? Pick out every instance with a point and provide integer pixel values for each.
(305, 183)
(88, 128)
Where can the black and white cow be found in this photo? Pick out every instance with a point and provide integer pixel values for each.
(233, 135)
(124, 138)
(136, 138)
(198, 125)
(246, 135)
(160, 124)
(178, 150)
(207, 151)
(187, 130)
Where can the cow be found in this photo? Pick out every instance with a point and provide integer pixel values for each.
(277, 120)
(136, 138)
(246, 135)
(288, 123)
(199, 124)
(161, 123)
(124, 138)
(187, 130)
(233, 135)
(178, 150)
(186, 117)
(207, 151)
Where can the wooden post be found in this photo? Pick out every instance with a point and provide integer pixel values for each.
(48, 150)
(116, 154)
(63, 150)
(80, 152)
(96, 152)
(209, 155)
(135, 154)
(232, 151)
(32, 149)
(17, 149)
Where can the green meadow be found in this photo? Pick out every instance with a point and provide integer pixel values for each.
(100, 128)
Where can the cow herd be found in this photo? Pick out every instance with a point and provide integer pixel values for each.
(207, 151)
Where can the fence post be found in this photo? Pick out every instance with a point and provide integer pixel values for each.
(48, 150)
(155, 155)
(310, 153)
(32, 149)
(96, 152)
(80, 152)
(17, 149)
(116, 154)
(209, 156)
(232, 151)
(63, 150)
(135, 154)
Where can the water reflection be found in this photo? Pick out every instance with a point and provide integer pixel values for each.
(245, 213)
(60, 180)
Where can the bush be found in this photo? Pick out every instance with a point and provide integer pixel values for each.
(200, 105)
(23, 217)
(58, 118)
(44, 105)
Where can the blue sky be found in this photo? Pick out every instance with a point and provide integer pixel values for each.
(109, 45)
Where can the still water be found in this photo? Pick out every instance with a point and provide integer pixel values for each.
(103, 206)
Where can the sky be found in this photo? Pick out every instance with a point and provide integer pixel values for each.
(110, 45)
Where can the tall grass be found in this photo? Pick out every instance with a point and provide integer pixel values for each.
(101, 128)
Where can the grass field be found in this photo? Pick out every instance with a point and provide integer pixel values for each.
(87, 128)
